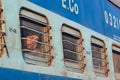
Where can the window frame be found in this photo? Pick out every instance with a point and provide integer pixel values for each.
(45, 42)
(116, 48)
(3, 46)
(98, 43)
(79, 64)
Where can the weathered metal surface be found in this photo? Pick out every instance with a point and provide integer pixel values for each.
(14, 66)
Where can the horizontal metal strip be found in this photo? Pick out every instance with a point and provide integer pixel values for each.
(100, 58)
(98, 51)
(103, 60)
(75, 61)
(73, 35)
(36, 52)
(35, 31)
(101, 71)
(23, 38)
(2, 31)
(2, 44)
(36, 60)
(73, 43)
(75, 68)
(103, 67)
(78, 53)
(40, 22)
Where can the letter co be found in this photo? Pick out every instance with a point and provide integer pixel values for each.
(72, 6)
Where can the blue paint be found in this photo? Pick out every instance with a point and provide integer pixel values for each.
(90, 14)
(12, 74)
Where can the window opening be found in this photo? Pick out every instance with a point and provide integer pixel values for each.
(116, 60)
(2, 32)
(99, 57)
(35, 38)
(73, 49)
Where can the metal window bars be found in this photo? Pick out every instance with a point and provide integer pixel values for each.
(77, 64)
(42, 33)
(44, 54)
(41, 57)
(2, 33)
(102, 65)
(2, 42)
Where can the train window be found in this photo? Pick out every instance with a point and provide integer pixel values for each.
(35, 38)
(116, 60)
(99, 57)
(73, 49)
(2, 33)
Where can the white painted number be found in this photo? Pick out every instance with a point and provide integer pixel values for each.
(112, 20)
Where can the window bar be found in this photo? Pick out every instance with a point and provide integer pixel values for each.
(44, 43)
(105, 57)
(5, 43)
(35, 60)
(50, 48)
(82, 58)
(106, 64)
(73, 68)
(50, 37)
(75, 53)
(99, 67)
(73, 35)
(102, 72)
(72, 52)
(40, 22)
(77, 68)
(1, 44)
(49, 27)
(46, 54)
(105, 49)
(99, 59)
(81, 41)
(73, 43)
(82, 49)
(50, 60)
(3, 33)
(75, 61)
(35, 31)
(34, 40)
(83, 66)
(98, 51)
(107, 71)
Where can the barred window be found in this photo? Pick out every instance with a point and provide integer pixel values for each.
(116, 60)
(2, 33)
(35, 38)
(99, 57)
(73, 49)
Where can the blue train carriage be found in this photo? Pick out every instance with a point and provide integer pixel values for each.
(59, 40)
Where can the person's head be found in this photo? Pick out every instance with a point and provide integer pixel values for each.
(30, 41)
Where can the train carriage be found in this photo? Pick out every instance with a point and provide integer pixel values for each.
(59, 40)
